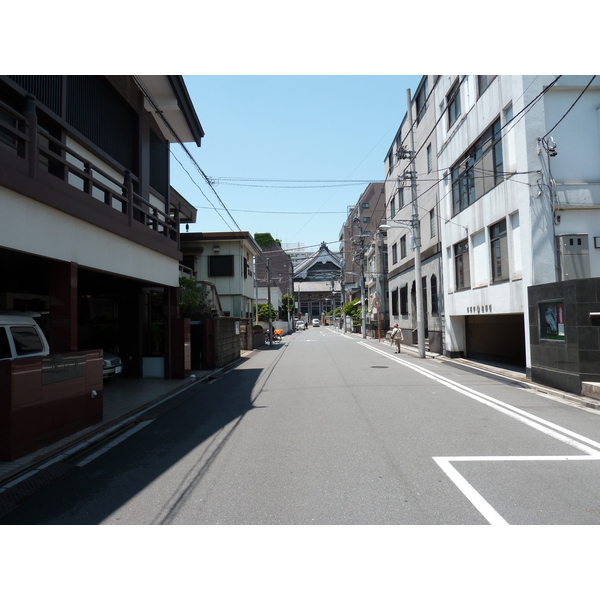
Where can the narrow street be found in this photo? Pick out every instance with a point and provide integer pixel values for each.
(330, 429)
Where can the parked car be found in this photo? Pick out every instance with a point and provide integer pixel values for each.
(21, 336)
(316, 323)
(300, 325)
(112, 365)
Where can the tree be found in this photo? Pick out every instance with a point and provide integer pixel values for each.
(265, 240)
(263, 312)
(287, 305)
(192, 297)
(353, 309)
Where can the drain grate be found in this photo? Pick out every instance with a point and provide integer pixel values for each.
(379, 367)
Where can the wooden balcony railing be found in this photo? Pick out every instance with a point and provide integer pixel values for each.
(21, 136)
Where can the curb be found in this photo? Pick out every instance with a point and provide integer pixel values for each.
(16, 487)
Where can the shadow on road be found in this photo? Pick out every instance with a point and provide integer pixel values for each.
(89, 495)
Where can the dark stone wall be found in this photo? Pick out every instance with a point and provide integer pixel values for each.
(565, 364)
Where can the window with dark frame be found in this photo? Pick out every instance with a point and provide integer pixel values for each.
(421, 100)
(479, 170)
(403, 246)
(221, 266)
(404, 300)
(483, 82)
(499, 251)
(395, 302)
(453, 104)
(434, 296)
(461, 266)
(429, 159)
(394, 254)
(393, 207)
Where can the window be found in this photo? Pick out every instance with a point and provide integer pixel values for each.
(403, 247)
(478, 170)
(404, 300)
(401, 197)
(453, 104)
(365, 205)
(434, 296)
(5, 351)
(499, 248)
(394, 254)
(429, 159)
(26, 340)
(220, 266)
(432, 224)
(461, 265)
(395, 302)
(483, 82)
(366, 219)
(421, 99)
(390, 160)
(393, 207)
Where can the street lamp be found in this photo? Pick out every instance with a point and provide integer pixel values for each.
(414, 226)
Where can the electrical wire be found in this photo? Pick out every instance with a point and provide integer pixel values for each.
(570, 108)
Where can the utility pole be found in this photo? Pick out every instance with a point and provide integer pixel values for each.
(269, 303)
(361, 257)
(416, 227)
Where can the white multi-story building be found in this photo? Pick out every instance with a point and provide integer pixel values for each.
(519, 164)
(401, 174)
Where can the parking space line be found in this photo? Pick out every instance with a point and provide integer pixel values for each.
(476, 499)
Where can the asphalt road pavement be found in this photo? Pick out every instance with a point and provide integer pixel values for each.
(330, 429)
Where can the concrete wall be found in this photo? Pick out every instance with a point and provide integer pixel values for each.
(227, 340)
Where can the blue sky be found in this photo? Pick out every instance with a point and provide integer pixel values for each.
(297, 134)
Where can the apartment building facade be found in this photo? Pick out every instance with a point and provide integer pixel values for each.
(357, 233)
(411, 178)
(90, 229)
(226, 260)
(519, 164)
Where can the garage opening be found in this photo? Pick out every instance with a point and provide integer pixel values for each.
(496, 338)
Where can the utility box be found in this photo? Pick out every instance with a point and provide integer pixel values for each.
(574, 256)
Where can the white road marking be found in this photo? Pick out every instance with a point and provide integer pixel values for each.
(476, 499)
(113, 443)
(552, 429)
(583, 444)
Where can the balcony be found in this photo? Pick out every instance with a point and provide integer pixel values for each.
(35, 163)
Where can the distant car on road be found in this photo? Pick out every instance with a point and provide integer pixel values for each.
(300, 325)
(316, 323)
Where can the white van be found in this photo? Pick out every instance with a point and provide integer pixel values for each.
(21, 336)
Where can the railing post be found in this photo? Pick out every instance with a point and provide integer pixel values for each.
(31, 118)
(177, 223)
(87, 182)
(129, 195)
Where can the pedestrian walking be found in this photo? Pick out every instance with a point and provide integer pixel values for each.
(396, 338)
